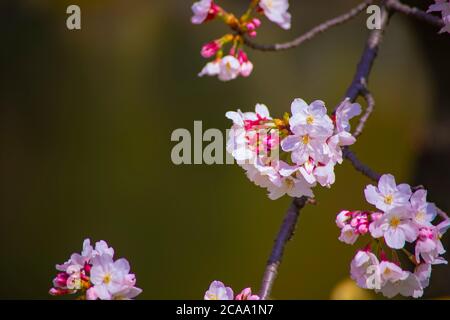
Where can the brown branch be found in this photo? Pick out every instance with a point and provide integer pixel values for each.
(415, 13)
(369, 109)
(311, 33)
(284, 235)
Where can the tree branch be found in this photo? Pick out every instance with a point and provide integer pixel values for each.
(311, 33)
(284, 235)
(415, 13)
(369, 109)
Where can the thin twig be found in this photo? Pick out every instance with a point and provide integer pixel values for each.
(370, 101)
(284, 235)
(311, 33)
(415, 13)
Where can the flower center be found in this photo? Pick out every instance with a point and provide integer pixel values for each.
(395, 221)
(107, 278)
(305, 139)
(228, 66)
(212, 296)
(388, 199)
(420, 216)
(289, 183)
(310, 119)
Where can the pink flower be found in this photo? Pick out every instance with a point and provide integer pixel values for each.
(246, 294)
(277, 11)
(204, 10)
(423, 274)
(246, 65)
(364, 269)
(396, 227)
(408, 285)
(429, 245)
(342, 218)
(390, 272)
(111, 279)
(388, 195)
(348, 235)
(218, 291)
(94, 273)
(210, 69)
(344, 113)
(423, 212)
(229, 69)
(210, 49)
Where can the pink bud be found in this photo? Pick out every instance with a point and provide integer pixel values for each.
(87, 268)
(242, 57)
(60, 280)
(256, 22)
(210, 49)
(58, 291)
(252, 34)
(213, 11)
(425, 233)
(376, 215)
(250, 26)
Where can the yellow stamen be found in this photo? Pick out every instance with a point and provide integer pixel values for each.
(309, 119)
(395, 221)
(305, 139)
(107, 278)
(388, 199)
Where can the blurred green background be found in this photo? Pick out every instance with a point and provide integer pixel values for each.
(86, 118)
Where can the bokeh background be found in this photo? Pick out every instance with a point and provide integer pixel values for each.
(86, 118)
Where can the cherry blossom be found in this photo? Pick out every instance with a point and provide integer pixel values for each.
(203, 10)
(396, 226)
(388, 195)
(423, 212)
(407, 218)
(254, 141)
(95, 275)
(218, 291)
(429, 246)
(277, 11)
(210, 69)
(364, 269)
(246, 294)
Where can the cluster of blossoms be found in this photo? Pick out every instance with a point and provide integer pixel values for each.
(95, 275)
(442, 6)
(218, 291)
(404, 219)
(236, 63)
(294, 154)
